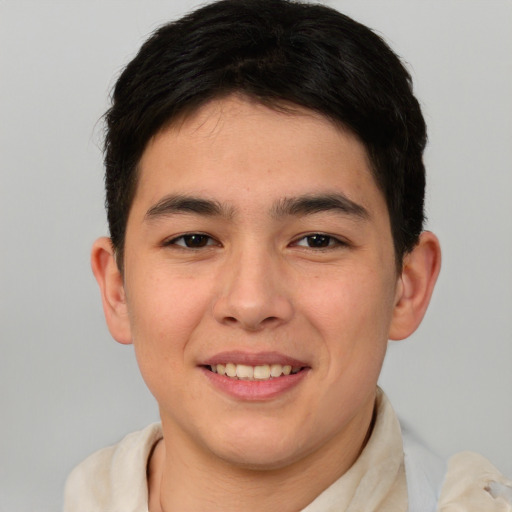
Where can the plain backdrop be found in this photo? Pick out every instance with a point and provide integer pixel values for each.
(67, 389)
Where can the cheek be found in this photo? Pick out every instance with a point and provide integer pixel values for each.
(352, 310)
(164, 313)
(164, 303)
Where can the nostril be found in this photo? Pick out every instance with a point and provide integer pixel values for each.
(251, 323)
(252, 311)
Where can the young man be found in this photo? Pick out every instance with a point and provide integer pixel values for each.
(265, 201)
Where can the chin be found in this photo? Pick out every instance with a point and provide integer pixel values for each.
(257, 459)
(259, 447)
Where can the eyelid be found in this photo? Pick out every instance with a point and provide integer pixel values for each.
(335, 241)
(300, 241)
(173, 240)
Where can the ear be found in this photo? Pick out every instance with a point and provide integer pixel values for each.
(415, 286)
(110, 281)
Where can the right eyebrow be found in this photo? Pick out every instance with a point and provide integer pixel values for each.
(174, 204)
(316, 203)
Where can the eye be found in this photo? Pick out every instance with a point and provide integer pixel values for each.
(192, 241)
(319, 241)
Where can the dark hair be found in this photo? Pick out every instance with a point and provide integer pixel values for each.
(276, 51)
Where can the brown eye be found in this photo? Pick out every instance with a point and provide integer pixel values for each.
(192, 241)
(195, 241)
(318, 241)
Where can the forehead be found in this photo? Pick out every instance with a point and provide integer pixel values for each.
(240, 148)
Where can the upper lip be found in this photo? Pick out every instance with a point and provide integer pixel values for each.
(253, 359)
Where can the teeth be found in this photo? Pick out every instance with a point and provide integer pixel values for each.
(276, 370)
(244, 372)
(260, 372)
(231, 370)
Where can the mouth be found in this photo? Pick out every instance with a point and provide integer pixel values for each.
(260, 372)
(262, 376)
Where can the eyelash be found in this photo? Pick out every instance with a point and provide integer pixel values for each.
(332, 241)
(188, 237)
(205, 240)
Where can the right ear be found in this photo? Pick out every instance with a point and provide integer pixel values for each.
(110, 281)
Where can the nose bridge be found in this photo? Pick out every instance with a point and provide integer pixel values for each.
(254, 292)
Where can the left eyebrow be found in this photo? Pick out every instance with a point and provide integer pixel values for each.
(179, 204)
(310, 204)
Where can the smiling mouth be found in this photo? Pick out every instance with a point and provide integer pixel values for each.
(255, 373)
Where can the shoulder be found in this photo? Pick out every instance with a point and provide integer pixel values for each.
(468, 482)
(472, 483)
(115, 475)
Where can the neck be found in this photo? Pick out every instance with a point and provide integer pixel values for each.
(183, 477)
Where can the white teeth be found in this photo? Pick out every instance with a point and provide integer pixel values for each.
(260, 372)
(276, 370)
(231, 370)
(244, 372)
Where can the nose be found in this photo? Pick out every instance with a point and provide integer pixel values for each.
(253, 294)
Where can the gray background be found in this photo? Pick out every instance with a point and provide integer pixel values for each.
(68, 389)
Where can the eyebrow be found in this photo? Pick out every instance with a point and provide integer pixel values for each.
(310, 204)
(297, 206)
(175, 204)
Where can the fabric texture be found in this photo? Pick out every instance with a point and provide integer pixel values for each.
(473, 483)
(113, 479)
(382, 479)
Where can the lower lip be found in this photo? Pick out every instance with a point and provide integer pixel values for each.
(255, 390)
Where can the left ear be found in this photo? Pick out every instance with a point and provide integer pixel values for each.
(415, 286)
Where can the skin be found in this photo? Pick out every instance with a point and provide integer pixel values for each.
(257, 281)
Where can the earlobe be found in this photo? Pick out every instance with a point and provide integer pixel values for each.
(419, 274)
(110, 281)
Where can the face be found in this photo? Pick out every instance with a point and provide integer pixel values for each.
(260, 283)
